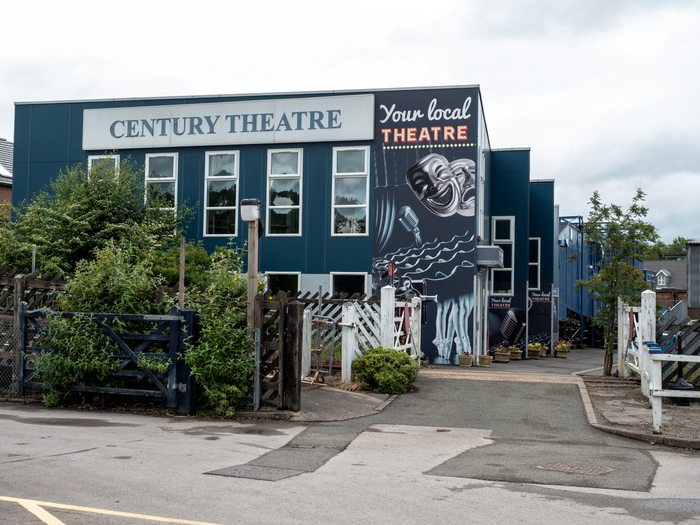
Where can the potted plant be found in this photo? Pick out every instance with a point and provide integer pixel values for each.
(515, 353)
(501, 355)
(465, 359)
(534, 350)
(485, 360)
(561, 348)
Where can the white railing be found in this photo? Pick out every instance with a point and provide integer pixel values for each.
(367, 326)
(637, 350)
(636, 324)
(656, 391)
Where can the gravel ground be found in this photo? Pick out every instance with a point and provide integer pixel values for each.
(619, 403)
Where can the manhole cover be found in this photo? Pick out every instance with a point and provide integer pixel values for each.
(252, 472)
(575, 468)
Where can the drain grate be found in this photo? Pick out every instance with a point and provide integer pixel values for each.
(575, 468)
(253, 472)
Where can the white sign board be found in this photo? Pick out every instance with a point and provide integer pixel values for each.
(319, 119)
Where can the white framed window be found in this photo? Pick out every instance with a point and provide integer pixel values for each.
(283, 282)
(111, 162)
(161, 177)
(661, 278)
(349, 283)
(350, 191)
(534, 264)
(503, 235)
(221, 193)
(284, 169)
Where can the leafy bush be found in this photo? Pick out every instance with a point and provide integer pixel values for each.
(386, 370)
(221, 361)
(81, 212)
(116, 281)
(166, 263)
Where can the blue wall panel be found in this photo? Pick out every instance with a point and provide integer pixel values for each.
(510, 179)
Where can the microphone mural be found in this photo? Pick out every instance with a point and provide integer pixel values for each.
(423, 213)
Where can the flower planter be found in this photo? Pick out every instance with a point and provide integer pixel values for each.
(516, 355)
(465, 359)
(533, 353)
(561, 353)
(501, 357)
(485, 360)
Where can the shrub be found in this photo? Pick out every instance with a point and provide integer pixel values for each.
(116, 281)
(221, 361)
(80, 212)
(386, 370)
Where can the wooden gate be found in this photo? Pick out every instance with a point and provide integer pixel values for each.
(279, 368)
(168, 331)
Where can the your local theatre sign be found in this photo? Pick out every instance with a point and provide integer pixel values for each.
(227, 123)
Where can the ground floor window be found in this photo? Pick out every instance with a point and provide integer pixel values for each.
(348, 283)
(282, 282)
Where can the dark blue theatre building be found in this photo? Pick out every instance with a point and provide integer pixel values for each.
(359, 189)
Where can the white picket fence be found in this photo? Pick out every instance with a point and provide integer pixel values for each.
(638, 351)
(390, 324)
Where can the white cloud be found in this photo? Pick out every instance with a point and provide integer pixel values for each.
(605, 93)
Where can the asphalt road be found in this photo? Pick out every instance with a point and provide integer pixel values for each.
(453, 451)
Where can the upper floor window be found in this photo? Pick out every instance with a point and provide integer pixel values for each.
(284, 168)
(661, 279)
(109, 162)
(350, 190)
(220, 193)
(534, 264)
(503, 235)
(161, 177)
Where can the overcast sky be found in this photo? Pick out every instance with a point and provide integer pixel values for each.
(605, 92)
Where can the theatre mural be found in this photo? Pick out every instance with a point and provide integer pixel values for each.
(424, 203)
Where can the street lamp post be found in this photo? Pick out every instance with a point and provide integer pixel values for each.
(250, 213)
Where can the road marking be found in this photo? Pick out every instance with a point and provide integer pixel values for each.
(40, 513)
(35, 507)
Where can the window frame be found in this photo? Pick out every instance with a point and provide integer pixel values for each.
(174, 178)
(537, 263)
(661, 279)
(291, 274)
(271, 177)
(337, 176)
(500, 242)
(363, 274)
(235, 177)
(94, 158)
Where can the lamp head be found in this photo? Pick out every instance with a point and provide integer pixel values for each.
(250, 210)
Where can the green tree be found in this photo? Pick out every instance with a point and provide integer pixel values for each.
(617, 239)
(80, 212)
(660, 250)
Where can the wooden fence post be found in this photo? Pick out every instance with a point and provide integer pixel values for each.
(306, 344)
(187, 394)
(290, 368)
(386, 337)
(18, 297)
